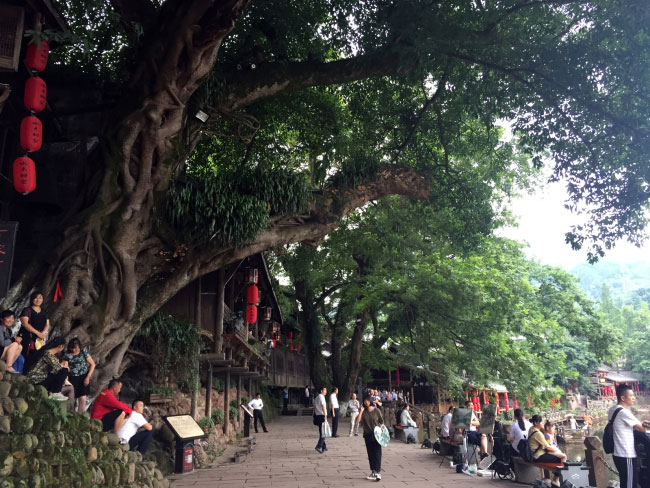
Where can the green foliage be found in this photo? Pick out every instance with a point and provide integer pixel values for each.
(59, 409)
(217, 415)
(206, 422)
(160, 390)
(234, 403)
(173, 345)
(233, 412)
(245, 400)
(230, 207)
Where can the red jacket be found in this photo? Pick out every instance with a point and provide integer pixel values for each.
(106, 403)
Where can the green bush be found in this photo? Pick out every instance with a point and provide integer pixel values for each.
(234, 404)
(507, 415)
(217, 415)
(160, 390)
(206, 422)
(245, 400)
(233, 412)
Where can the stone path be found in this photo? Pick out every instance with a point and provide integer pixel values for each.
(286, 457)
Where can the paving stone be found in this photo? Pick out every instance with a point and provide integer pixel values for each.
(286, 457)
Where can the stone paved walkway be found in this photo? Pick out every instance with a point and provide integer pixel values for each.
(286, 457)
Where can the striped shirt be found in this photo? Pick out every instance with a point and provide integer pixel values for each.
(623, 432)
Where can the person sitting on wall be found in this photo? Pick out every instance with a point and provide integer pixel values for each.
(44, 368)
(405, 418)
(109, 409)
(542, 451)
(473, 435)
(129, 431)
(10, 346)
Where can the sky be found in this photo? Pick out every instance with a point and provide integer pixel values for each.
(543, 221)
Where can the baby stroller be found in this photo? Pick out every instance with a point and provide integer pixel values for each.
(502, 466)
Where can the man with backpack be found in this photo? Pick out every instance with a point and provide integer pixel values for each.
(624, 423)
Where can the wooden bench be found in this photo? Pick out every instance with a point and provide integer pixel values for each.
(528, 473)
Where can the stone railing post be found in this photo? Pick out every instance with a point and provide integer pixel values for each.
(594, 457)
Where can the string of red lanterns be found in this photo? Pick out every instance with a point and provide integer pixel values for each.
(31, 128)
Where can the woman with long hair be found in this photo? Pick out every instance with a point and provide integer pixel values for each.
(518, 430)
(81, 368)
(34, 324)
(44, 368)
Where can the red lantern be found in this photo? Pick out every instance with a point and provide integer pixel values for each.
(35, 94)
(36, 57)
(529, 402)
(496, 400)
(552, 402)
(31, 133)
(253, 294)
(507, 402)
(290, 348)
(251, 314)
(298, 347)
(290, 336)
(515, 402)
(24, 175)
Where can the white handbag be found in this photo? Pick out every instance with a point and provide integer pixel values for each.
(326, 431)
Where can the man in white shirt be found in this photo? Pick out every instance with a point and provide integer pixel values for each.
(624, 426)
(257, 404)
(334, 405)
(320, 417)
(446, 423)
(306, 396)
(129, 431)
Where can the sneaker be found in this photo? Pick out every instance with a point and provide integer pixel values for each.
(58, 396)
(123, 441)
(372, 476)
(319, 450)
(350, 434)
(356, 435)
(377, 477)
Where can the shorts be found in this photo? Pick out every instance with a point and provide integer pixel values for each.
(78, 383)
(474, 437)
(108, 420)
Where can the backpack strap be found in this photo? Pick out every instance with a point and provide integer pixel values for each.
(615, 414)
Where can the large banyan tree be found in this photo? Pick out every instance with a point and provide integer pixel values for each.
(315, 107)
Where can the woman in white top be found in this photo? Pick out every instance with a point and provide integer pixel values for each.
(519, 429)
(405, 418)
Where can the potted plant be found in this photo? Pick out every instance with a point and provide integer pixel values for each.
(160, 394)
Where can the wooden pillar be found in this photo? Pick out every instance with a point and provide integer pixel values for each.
(218, 325)
(390, 380)
(250, 388)
(208, 392)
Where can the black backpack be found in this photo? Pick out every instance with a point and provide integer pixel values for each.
(608, 435)
(524, 451)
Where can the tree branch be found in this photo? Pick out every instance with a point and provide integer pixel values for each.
(272, 79)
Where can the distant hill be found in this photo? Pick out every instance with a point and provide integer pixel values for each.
(627, 282)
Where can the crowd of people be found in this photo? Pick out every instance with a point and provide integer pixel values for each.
(65, 370)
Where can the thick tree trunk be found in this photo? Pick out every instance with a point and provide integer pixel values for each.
(311, 332)
(354, 361)
(114, 269)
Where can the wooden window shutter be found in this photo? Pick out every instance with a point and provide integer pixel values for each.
(11, 33)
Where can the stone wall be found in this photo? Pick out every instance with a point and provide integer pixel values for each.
(41, 445)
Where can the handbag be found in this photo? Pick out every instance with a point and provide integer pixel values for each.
(326, 430)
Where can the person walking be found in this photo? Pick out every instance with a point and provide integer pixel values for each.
(369, 418)
(624, 425)
(334, 405)
(257, 404)
(305, 397)
(320, 417)
(353, 407)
